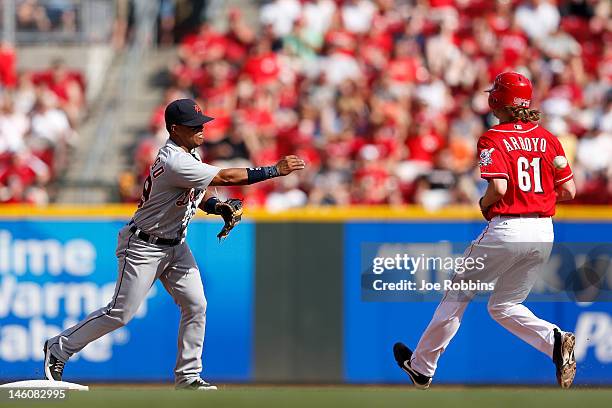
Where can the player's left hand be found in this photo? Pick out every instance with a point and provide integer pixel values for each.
(289, 164)
(231, 212)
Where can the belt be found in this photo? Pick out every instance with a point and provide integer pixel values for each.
(530, 215)
(151, 239)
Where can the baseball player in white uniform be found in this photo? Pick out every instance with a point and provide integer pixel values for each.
(152, 246)
(527, 173)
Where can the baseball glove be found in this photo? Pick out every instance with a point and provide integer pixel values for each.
(231, 212)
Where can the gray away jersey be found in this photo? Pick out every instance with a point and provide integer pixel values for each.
(173, 191)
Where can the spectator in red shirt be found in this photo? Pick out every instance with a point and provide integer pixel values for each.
(69, 88)
(513, 43)
(262, 66)
(8, 62)
(239, 37)
(23, 177)
(406, 65)
(204, 46)
(373, 184)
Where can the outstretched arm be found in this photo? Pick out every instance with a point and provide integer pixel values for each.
(242, 176)
(231, 210)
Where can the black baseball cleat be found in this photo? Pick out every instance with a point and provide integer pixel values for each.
(402, 356)
(196, 385)
(563, 357)
(54, 368)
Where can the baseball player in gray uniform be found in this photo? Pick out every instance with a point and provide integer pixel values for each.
(152, 246)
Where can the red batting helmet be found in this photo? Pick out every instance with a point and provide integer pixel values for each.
(510, 89)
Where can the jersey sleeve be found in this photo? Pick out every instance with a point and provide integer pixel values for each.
(491, 160)
(189, 172)
(564, 174)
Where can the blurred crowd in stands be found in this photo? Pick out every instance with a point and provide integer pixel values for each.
(385, 99)
(39, 111)
(49, 15)
(57, 21)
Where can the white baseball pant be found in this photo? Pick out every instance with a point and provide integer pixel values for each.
(515, 249)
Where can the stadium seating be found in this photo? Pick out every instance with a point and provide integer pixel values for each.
(39, 112)
(385, 100)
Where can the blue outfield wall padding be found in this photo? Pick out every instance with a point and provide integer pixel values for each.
(53, 273)
(482, 351)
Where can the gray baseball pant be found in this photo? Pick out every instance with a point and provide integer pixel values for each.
(140, 263)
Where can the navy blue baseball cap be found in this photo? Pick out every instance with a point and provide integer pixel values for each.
(185, 112)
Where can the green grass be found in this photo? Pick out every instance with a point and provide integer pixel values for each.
(328, 396)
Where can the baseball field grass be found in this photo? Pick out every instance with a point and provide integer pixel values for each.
(328, 396)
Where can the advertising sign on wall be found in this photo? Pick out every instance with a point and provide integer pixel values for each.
(375, 320)
(53, 273)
